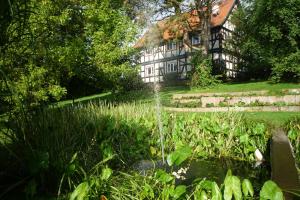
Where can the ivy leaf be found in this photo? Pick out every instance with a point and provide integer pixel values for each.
(270, 190)
(247, 188)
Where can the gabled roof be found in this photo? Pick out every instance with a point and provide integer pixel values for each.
(172, 27)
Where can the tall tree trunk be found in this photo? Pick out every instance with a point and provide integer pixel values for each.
(203, 8)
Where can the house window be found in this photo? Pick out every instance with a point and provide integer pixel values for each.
(171, 45)
(172, 67)
(195, 39)
(148, 51)
(149, 70)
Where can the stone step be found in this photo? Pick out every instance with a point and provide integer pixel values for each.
(242, 100)
(238, 109)
(228, 94)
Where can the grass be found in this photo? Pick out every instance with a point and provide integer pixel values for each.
(166, 93)
(275, 119)
(83, 99)
(272, 119)
(238, 87)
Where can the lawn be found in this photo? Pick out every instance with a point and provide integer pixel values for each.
(274, 89)
(166, 93)
(236, 87)
(273, 118)
(83, 99)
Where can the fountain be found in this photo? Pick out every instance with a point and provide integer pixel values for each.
(158, 115)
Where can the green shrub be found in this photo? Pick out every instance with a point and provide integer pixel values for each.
(130, 80)
(293, 129)
(171, 79)
(209, 105)
(287, 69)
(202, 74)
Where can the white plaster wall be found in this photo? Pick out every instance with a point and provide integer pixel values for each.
(216, 45)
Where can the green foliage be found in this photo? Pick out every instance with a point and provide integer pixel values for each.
(271, 191)
(206, 189)
(247, 188)
(293, 130)
(232, 187)
(287, 68)
(111, 32)
(202, 76)
(163, 176)
(130, 80)
(81, 136)
(68, 46)
(179, 155)
(171, 79)
(269, 39)
(80, 192)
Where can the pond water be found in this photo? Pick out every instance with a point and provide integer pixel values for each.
(213, 169)
(216, 169)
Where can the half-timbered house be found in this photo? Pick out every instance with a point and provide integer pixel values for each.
(163, 49)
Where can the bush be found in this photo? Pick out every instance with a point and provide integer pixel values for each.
(202, 77)
(171, 79)
(287, 69)
(130, 80)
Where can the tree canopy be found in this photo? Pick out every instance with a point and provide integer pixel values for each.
(269, 38)
(51, 48)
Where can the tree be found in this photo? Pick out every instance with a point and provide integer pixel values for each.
(111, 32)
(52, 46)
(269, 38)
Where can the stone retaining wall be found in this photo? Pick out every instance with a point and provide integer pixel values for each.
(238, 109)
(247, 100)
(199, 95)
(250, 93)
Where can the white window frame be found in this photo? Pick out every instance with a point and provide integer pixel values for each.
(194, 41)
(149, 70)
(171, 67)
(148, 51)
(171, 45)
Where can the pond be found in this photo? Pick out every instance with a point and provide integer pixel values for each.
(216, 169)
(212, 169)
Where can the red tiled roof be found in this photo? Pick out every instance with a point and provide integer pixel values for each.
(172, 28)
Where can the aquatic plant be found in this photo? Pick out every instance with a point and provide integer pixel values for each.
(293, 128)
(160, 185)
